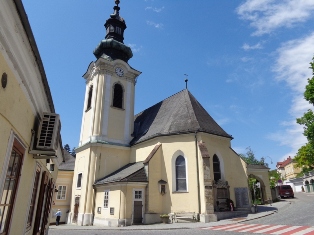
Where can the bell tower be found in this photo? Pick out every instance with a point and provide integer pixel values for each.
(108, 117)
(108, 113)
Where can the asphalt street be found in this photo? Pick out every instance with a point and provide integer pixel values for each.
(288, 215)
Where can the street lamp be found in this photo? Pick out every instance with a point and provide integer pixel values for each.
(271, 161)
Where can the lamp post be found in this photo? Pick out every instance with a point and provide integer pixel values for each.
(271, 161)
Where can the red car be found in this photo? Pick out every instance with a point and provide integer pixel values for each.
(285, 191)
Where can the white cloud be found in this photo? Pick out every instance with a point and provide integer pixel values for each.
(247, 47)
(269, 15)
(223, 121)
(156, 25)
(292, 67)
(246, 59)
(155, 9)
(135, 48)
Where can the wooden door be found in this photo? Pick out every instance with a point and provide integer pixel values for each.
(137, 214)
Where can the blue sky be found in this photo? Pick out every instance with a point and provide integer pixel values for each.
(247, 61)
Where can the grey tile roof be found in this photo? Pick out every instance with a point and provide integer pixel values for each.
(132, 172)
(69, 163)
(178, 114)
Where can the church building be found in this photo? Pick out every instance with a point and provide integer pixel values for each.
(171, 158)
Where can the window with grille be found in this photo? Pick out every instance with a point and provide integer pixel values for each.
(106, 198)
(117, 96)
(8, 191)
(180, 174)
(138, 194)
(216, 166)
(61, 192)
(79, 180)
(34, 196)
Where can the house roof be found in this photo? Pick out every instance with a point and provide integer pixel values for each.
(178, 114)
(132, 172)
(284, 163)
(69, 162)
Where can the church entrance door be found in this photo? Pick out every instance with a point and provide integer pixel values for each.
(138, 207)
(75, 211)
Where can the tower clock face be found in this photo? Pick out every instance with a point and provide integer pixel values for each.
(119, 71)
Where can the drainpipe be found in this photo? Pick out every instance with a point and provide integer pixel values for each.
(198, 177)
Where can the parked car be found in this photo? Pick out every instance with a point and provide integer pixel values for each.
(285, 191)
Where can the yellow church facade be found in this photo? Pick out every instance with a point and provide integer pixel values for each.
(172, 158)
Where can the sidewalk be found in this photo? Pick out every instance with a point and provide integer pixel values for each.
(263, 210)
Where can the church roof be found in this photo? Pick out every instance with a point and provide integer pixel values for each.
(132, 172)
(178, 114)
(69, 162)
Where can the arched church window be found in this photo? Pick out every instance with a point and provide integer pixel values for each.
(180, 174)
(216, 166)
(89, 99)
(117, 96)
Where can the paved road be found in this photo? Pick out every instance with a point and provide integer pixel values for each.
(296, 217)
(299, 212)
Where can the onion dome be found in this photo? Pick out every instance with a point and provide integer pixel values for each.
(112, 47)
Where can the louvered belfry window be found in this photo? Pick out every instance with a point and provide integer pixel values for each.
(216, 165)
(180, 174)
(117, 96)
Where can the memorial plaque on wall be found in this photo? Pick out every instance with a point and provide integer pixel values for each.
(222, 193)
(241, 195)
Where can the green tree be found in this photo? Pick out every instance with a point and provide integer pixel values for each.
(67, 148)
(305, 155)
(274, 176)
(249, 158)
(73, 152)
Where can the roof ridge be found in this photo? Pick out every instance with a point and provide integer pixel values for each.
(159, 102)
(179, 113)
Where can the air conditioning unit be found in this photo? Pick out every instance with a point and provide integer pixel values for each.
(47, 135)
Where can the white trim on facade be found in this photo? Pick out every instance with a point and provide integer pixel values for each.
(108, 198)
(106, 106)
(95, 85)
(142, 199)
(65, 194)
(128, 103)
(83, 116)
